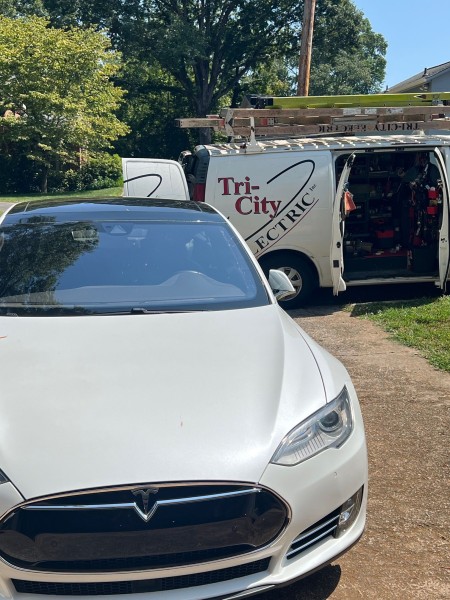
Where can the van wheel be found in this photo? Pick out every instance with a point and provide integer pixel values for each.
(300, 272)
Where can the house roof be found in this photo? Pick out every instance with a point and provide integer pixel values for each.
(420, 80)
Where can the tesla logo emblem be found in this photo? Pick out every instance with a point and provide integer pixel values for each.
(143, 509)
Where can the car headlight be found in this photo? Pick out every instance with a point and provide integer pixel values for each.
(329, 427)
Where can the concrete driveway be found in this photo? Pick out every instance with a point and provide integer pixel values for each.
(404, 553)
(4, 206)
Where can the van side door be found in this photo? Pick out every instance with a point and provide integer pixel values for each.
(337, 230)
(444, 250)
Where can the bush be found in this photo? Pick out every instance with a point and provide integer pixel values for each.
(18, 175)
(101, 171)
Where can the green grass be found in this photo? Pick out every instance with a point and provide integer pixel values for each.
(423, 324)
(109, 192)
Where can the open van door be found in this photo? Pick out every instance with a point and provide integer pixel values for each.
(337, 230)
(444, 251)
(154, 178)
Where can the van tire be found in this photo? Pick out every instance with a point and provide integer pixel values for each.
(300, 271)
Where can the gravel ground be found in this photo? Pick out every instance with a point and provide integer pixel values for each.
(404, 553)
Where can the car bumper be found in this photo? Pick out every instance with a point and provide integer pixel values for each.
(313, 490)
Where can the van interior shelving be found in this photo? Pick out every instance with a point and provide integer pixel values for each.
(393, 226)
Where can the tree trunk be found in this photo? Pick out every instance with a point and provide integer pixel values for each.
(44, 179)
(204, 135)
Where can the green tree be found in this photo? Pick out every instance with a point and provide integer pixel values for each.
(273, 78)
(56, 93)
(213, 51)
(20, 8)
(153, 102)
(205, 46)
(348, 56)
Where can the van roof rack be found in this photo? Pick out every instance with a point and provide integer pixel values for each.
(344, 101)
(280, 117)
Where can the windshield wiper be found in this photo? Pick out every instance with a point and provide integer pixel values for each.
(137, 310)
(31, 310)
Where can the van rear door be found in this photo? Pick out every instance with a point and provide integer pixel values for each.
(337, 230)
(444, 251)
(154, 178)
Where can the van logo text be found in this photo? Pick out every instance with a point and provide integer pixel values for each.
(247, 202)
(280, 219)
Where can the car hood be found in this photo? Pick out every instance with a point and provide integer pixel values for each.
(98, 401)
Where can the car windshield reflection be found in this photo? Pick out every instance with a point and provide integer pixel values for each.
(113, 266)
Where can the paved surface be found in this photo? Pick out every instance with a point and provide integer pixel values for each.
(4, 206)
(405, 551)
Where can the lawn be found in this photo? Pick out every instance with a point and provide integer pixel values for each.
(109, 192)
(423, 324)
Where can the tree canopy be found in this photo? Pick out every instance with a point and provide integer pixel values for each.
(191, 57)
(56, 93)
(213, 50)
(348, 56)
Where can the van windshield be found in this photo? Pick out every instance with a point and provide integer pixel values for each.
(104, 267)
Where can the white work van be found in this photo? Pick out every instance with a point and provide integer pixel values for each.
(154, 178)
(334, 212)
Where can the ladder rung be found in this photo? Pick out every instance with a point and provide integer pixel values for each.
(200, 122)
(332, 112)
(308, 102)
(351, 127)
(282, 122)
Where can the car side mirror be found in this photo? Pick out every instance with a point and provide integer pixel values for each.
(281, 285)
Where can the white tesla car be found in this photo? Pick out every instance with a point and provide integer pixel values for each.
(166, 429)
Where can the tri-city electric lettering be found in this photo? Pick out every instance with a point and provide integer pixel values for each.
(363, 128)
(248, 203)
(281, 215)
(288, 221)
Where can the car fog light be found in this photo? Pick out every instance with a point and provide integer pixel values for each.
(349, 512)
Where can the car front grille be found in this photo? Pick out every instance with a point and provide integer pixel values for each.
(139, 586)
(317, 532)
(130, 529)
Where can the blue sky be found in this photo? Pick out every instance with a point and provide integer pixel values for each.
(417, 33)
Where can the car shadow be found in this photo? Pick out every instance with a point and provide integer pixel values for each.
(324, 303)
(318, 586)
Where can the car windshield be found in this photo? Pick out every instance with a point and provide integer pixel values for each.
(104, 267)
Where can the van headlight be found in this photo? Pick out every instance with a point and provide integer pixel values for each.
(329, 427)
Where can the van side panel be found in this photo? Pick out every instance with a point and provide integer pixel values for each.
(154, 178)
(277, 201)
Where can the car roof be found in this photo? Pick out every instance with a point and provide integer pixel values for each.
(123, 209)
